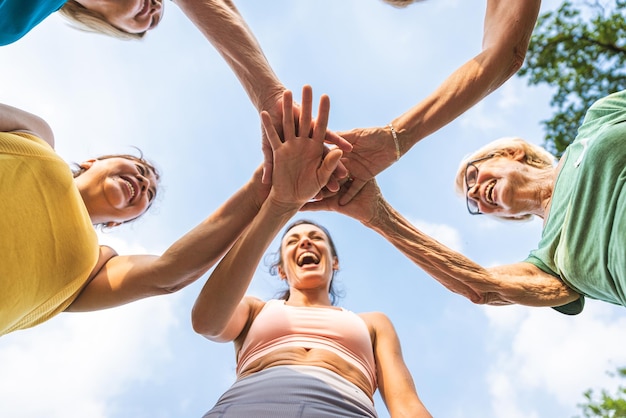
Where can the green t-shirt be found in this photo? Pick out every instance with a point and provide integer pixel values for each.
(584, 238)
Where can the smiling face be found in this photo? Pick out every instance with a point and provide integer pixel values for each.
(131, 16)
(308, 260)
(503, 186)
(116, 190)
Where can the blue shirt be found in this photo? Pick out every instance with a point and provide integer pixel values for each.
(18, 17)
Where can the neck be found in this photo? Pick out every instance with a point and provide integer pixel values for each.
(308, 298)
(543, 192)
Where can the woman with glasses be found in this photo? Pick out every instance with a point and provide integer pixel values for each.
(582, 201)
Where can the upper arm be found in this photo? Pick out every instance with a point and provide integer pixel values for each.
(525, 284)
(13, 119)
(394, 379)
(120, 280)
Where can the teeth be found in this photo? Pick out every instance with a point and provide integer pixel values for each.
(130, 187)
(309, 257)
(489, 192)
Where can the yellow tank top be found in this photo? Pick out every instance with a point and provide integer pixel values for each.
(48, 246)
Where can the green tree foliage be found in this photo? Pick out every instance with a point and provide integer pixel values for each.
(607, 405)
(580, 50)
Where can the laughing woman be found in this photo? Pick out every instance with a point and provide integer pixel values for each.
(299, 356)
(51, 261)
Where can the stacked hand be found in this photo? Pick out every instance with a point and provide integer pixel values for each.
(276, 112)
(373, 150)
(303, 165)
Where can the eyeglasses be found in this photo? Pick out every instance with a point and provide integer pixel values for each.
(471, 175)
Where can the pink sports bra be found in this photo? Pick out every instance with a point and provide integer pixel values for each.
(341, 331)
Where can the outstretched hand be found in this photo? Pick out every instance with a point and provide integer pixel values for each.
(302, 163)
(373, 150)
(276, 113)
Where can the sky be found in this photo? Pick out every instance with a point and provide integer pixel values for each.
(173, 96)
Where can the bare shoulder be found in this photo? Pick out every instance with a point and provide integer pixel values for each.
(375, 320)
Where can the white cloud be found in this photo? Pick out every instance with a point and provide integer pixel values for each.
(445, 234)
(75, 364)
(541, 352)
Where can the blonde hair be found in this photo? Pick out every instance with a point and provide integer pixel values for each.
(82, 18)
(534, 155)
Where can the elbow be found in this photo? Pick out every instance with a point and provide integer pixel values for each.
(204, 327)
(176, 283)
(506, 63)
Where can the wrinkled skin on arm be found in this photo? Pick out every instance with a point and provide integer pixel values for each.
(507, 29)
(520, 283)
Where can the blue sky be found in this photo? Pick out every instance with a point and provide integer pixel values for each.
(174, 97)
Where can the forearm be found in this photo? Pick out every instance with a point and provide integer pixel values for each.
(224, 27)
(519, 283)
(124, 279)
(198, 250)
(508, 27)
(227, 285)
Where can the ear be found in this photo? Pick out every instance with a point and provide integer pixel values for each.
(517, 154)
(281, 273)
(87, 164)
(335, 263)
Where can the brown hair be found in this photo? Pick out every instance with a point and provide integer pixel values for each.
(77, 170)
(278, 260)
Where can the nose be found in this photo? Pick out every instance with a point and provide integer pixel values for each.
(305, 242)
(144, 183)
(156, 8)
(474, 192)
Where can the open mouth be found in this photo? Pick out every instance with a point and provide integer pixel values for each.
(131, 188)
(144, 9)
(307, 258)
(489, 192)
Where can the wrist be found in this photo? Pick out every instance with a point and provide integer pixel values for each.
(396, 143)
(269, 99)
(380, 214)
(281, 207)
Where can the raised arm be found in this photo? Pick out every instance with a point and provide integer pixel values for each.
(520, 283)
(13, 119)
(301, 171)
(222, 24)
(507, 29)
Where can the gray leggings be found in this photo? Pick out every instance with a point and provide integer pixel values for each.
(293, 392)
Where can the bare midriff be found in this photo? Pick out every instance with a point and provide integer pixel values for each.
(300, 356)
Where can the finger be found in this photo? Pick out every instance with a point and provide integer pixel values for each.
(270, 131)
(335, 138)
(321, 123)
(341, 172)
(333, 184)
(268, 158)
(324, 194)
(329, 164)
(268, 167)
(305, 113)
(351, 191)
(324, 204)
(289, 131)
